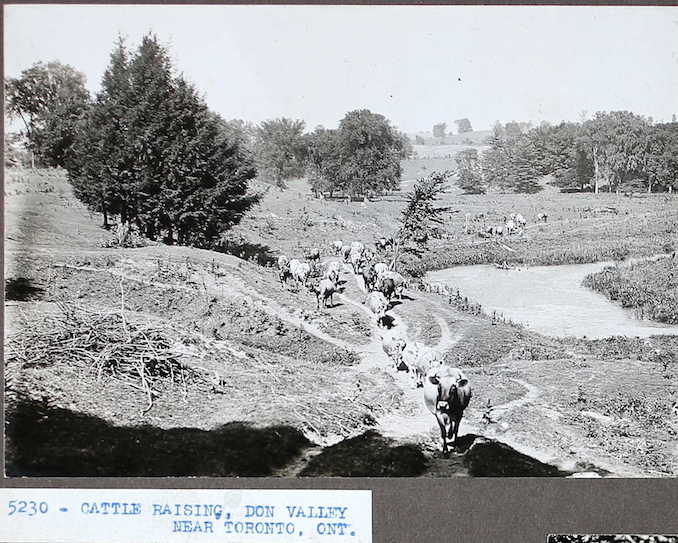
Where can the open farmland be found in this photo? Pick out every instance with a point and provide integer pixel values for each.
(574, 231)
(332, 400)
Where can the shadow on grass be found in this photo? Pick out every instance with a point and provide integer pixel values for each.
(21, 289)
(367, 455)
(261, 254)
(488, 458)
(44, 441)
(373, 455)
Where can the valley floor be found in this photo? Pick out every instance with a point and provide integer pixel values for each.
(299, 391)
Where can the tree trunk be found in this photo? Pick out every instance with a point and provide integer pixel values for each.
(596, 171)
(396, 255)
(105, 212)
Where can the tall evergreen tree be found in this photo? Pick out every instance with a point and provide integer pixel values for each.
(159, 157)
(469, 172)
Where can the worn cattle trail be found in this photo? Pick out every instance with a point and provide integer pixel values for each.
(412, 422)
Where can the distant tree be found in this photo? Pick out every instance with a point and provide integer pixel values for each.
(495, 159)
(418, 140)
(323, 160)
(439, 131)
(421, 217)
(370, 151)
(49, 99)
(407, 149)
(151, 152)
(469, 172)
(661, 158)
(238, 130)
(279, 149)
(616, 142)
(463, 126)
(513, 130)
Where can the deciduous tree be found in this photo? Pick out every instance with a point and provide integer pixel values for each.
(49, 99)
(280, 151)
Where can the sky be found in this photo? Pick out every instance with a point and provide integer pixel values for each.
(417, 65)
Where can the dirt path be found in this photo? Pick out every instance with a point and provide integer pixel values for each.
(411, 422)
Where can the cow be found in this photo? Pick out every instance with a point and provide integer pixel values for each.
(300, 271)
(447, 393)
(382, 243)
(394, 347)
(380, 268)
(323, 290)
(346, 252)
(332, 271)
(377, 304)
(398, 280)
(369, 278)
(510, 227)
(542, 217)
(336, 246)
(313, 254)
(387, 287)
(357, 260)
(419, 358)
(357, 246)
(520, 221)
(283, 269)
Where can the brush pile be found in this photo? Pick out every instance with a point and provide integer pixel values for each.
(144, 356)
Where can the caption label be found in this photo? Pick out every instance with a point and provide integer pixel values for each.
(140, 516)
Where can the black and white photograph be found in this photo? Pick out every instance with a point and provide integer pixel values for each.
(341, 241)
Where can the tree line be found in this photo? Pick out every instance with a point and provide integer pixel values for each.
(613, 151)
(147, 149)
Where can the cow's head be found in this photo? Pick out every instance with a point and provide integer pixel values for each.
(447, 388)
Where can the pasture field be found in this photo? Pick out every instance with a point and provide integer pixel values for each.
(292, 221)
(257, 381)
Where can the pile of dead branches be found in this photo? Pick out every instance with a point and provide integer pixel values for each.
(145, 356)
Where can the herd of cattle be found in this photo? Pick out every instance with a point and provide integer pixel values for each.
(512, 224)
(324, 279)
(446, 390)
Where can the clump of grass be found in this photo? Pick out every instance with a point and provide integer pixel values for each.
(650, 288)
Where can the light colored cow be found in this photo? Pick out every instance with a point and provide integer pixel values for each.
(447, 393)
(300, 271)
(376, 302)
(380, 268)
(419, 358)
(323, 291)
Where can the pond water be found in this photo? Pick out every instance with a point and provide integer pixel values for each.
(548, 299)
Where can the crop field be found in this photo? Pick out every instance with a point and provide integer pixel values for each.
(250, 378)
